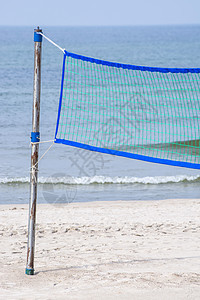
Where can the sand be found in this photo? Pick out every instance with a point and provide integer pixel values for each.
(103, 250)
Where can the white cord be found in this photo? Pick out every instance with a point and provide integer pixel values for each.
(42, 142)
(62, 49)
(45, 153)
(42, 156)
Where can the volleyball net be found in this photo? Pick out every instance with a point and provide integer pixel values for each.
(145, 113)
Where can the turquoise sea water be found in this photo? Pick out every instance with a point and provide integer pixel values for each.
(68, 174)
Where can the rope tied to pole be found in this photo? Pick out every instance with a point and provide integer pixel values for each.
(34, 166)
(53, 43)
(42, 142)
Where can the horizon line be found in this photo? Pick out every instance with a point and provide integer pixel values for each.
(97, 25)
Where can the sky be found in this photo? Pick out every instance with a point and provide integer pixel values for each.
(99, 12)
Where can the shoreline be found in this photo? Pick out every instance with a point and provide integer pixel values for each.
(103, 250)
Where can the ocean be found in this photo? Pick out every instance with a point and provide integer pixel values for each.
(67, 174)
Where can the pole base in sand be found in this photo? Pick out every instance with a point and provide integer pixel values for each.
(29, 272)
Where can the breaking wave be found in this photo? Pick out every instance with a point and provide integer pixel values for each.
(70, 180)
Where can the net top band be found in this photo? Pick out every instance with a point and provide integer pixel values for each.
(129, 66)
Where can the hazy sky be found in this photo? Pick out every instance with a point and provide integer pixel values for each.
(99, 12)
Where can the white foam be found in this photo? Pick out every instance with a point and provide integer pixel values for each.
(103, 180)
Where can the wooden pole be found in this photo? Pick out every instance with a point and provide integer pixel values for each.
(35, 137)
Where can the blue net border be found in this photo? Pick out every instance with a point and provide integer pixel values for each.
(131, 67)
(129, 155)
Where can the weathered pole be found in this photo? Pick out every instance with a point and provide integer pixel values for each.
(35, 137)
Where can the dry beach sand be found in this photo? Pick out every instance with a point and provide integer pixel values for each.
(103, 250)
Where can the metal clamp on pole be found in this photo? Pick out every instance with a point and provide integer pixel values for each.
(35, 137)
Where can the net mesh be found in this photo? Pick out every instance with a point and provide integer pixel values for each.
(138, 112)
